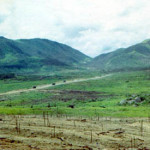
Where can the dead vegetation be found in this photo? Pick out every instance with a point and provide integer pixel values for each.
(42, 132)
(68, 95)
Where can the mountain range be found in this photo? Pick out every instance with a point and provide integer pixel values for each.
(131, 58)
(34, 55)
(43, 55)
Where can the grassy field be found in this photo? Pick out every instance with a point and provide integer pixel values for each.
(15, 84)
(118, 83)
(90, 98)
(43, 119)
(28, 81)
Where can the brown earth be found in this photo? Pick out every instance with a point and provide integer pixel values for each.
(52, 133)
(68, 95)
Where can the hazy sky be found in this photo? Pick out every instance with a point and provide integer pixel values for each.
(91, 26)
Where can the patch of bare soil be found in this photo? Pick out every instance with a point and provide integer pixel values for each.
(68, 95)
(6, 143)
(51, 132)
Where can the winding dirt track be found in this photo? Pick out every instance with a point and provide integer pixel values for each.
(50, 85)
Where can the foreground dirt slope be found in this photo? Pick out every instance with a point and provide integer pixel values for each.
(63, 132)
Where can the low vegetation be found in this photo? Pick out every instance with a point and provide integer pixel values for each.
(81, 115)
(100, 97)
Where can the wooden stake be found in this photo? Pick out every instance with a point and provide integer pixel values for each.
(91, 137)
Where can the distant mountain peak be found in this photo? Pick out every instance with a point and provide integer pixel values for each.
(37, 55)
(2, 37)
(134, 57)
(146, 41)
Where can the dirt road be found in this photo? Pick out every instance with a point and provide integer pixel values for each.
(50, 85)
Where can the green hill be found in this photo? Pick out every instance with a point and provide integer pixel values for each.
(132, 58)
(37, 55)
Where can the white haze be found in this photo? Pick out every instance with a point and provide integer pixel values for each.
(91, 26)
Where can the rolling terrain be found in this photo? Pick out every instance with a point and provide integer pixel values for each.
(45, 56)
(39, 87)
(37, 55)
(135, 57)
(90, 96)
(73, 109)
(84, 114)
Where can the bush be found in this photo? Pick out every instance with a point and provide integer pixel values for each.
(7, 76)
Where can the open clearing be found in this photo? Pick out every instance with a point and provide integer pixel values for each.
(63, 132)
(42, 119)
(50, 85)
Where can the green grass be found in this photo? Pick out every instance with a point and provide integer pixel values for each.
(119, 111)
(26, 82)
(25, 99)
(10, 85)
(116, 87)
(118, 84)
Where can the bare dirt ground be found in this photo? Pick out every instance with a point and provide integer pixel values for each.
(69, 95)
(63, 132)
(50, 85)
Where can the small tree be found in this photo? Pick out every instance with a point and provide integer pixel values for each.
(48, 105)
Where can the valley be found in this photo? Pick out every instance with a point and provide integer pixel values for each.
(80, 113)
(73, 104)
(74, 75)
